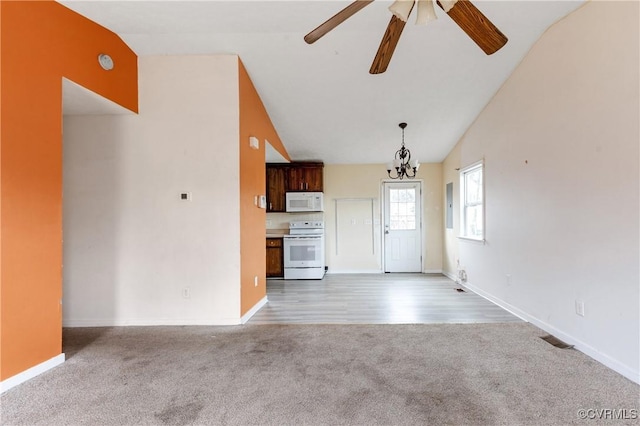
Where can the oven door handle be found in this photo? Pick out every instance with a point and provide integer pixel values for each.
(303, 238)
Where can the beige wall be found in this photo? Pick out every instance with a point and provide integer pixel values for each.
(451, 174)
(560, 147)
(432, 208)
(352, 198)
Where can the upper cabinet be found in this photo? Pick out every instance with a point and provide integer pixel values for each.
(291, 177)
(305, 177)
(276, 187)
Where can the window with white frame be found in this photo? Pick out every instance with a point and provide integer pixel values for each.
(472, 199)
(402, 209)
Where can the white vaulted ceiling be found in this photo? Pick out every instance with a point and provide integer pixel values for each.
(321, 98)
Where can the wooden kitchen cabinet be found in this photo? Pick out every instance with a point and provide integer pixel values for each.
(275, 257)
(305, 177)
(277, 176)
(291, 177)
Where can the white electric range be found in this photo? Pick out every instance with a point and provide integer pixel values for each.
(304, 250)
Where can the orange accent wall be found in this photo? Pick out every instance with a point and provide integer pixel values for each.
(41, 42)
(254, 121)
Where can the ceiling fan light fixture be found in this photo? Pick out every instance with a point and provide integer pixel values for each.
(401, 9)
(426, 12)
(447, 5)
(477, 26)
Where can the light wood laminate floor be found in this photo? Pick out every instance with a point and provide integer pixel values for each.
(375, 299)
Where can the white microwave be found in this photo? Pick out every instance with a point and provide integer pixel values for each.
(304, 202)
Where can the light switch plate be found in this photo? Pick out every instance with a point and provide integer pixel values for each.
(254, 142)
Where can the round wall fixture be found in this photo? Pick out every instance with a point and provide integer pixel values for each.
(105, 61)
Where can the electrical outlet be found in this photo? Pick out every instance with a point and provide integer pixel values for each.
(580, 307)
(508, 277)
(186, 293)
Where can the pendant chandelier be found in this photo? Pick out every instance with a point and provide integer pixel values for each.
(404, 166)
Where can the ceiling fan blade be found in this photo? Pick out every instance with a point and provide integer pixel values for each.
(387, 45)
(336, 20)
(477, 26)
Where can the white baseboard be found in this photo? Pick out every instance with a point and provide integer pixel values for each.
(253, 310)
(583, 347)
(32, 372)
(432, 271)
(449, 275)
(144, 322)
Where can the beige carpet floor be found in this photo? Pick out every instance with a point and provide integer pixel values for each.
(447, 374)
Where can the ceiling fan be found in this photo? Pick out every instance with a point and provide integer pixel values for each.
(486, 35)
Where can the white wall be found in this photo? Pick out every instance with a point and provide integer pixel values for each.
(560, 144)
(131, 246)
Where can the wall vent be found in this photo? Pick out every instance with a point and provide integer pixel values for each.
(556, 342)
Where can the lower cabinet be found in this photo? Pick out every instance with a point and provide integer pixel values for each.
(275, 258)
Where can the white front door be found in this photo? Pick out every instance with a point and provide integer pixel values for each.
(402, 227)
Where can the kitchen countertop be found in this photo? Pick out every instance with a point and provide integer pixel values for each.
(276, 234)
